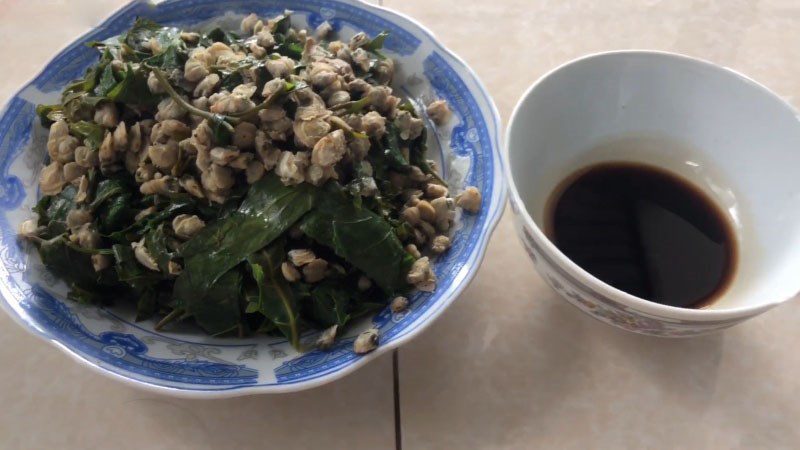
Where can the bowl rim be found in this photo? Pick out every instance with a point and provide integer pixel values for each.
(492, 219)
(637, 303)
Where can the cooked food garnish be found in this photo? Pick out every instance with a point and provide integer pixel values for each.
(264, 183)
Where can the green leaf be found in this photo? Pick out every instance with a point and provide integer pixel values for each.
(171, 58)
(219, 35)
(57, 206)
(221, 132)
(147, 304)
(49, 113)
(359, 236)
(391, 150)
(132, 89)
(282, 23)
(330, 304)
(218, 310)
(116, 214)
(147, 223)
(73, 266)
(283, 45)
(108, 188)
(156, 243)
(365, 308)
(80, 106)
(418, 150)
(53, 210)
(89, 80)
(256, 304)
(231, 80)
(130, 271)
(275, 298)
(113, 204)
(144, 282)
(41, 209)
(91, 133)
(107, 81)
(377, 42)
(87, 296)
(138, 37)
(408, 107)
(267, 212)
(291, 49)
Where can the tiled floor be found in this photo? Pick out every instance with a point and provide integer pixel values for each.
(509, 365)
(49, 401)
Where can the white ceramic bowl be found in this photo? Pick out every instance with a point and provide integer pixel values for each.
(730, 136)
(186, 362)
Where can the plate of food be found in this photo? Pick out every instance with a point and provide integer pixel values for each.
(224, 198)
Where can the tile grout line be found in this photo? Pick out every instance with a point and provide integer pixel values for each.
(398, 429)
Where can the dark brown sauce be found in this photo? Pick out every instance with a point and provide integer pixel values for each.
(644, 231)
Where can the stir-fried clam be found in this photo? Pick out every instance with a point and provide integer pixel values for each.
(201, 175)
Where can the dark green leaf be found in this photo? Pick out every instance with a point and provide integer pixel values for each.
(391, 150)
(132, 88)
(59, 205)
(377, 42)
(231, 80)
(138, 37)
(130, 271)
(49, 113)
(156, 243)
(221, 132)
(359, 236)
(88, 82)
(365, 308)
(267, 212)
(408, 107)
(111, 187)
(358, 105)
(80, 106)
(219, 35)
(291, 49)
(91, 133)
(147, 223)
(52, 211)
(275, 298)
(116, 214)
(73, 266)
(171, 58)
(218, 310)
(282, 23)
(144, 282)
(41, 209)
(329, 305)
(147, 304)
(106, 83)
(418, 150)
(86, 296)
(113, 204)
(256, 303)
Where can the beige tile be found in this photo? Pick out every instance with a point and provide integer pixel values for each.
(511, 365)
(49, 401)
(32, 32)
(511, 43)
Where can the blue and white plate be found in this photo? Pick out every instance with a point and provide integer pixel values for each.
(183, 361)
